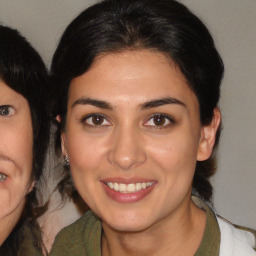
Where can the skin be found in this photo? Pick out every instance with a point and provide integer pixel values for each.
(16, 151)
(145, 127)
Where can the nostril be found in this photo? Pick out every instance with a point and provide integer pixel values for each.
(126, 151)
(125, 161)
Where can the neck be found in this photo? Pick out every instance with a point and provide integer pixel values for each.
(168, 236)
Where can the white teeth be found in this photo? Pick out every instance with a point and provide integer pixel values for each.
(122, 187)
(138, 186)
(129, 188)
(3, 177)
(116, 187)
(110, 184)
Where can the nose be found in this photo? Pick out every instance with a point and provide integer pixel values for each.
(127, 149)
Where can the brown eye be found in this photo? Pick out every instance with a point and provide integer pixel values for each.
(6, 110)
(159, 121)
(96, 120)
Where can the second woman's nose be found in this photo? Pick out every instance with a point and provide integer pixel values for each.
(127, 149)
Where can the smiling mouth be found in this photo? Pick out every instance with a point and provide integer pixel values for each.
(129, 188)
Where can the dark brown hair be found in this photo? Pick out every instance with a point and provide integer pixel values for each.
(22, 69)
(165, 26)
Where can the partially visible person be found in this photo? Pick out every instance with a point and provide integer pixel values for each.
(137, 91)
(24, 133)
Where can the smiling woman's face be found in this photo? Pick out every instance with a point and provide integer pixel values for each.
(16, 153)
(133, 137)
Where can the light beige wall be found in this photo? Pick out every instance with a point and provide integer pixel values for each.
(233, 25)
(41, 21)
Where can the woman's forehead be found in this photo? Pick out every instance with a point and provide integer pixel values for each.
(132, 77)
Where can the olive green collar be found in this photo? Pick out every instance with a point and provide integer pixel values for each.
(210, 244)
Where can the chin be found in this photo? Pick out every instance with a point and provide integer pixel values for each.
(127, 222)
(127, 227)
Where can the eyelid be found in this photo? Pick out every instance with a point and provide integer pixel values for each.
(10, 108)
(168, 117)
(86, 117)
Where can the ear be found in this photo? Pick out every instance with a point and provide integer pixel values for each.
(208, 136)
(58, 118)
(32, 185)
(63, 138)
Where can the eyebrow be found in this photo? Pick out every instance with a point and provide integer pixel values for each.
(161, 102)
(146, 105)
(93, 102)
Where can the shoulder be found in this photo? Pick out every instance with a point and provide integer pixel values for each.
(236, 240)
(233, 240)
(21, 242)
(87, 221)
(29, 241)
(71, 239)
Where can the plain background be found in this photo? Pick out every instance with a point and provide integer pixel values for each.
(233, 25)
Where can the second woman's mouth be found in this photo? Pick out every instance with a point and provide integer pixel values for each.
(129, 188)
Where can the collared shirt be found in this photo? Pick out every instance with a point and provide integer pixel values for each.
(83, 238)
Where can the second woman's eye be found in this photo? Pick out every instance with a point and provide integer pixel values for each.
(159, 121)
(96, 120)
(6, 110)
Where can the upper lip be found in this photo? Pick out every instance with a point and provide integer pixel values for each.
(126, 180)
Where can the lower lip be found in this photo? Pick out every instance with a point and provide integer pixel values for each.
(127, 197)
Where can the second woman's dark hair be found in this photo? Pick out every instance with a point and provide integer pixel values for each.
(164, 26)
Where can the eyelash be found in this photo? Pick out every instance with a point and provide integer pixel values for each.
(6, 110)
(103, 119)
(85, 119)
(167, 118)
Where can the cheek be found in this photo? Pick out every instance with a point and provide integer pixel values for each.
(86, 157)
(22, 150)
(175, 150)
(175, 161)
(26, 144)
(14, 190)
(12, 198)
(85, 153)
(17, 144)
(176, 156)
